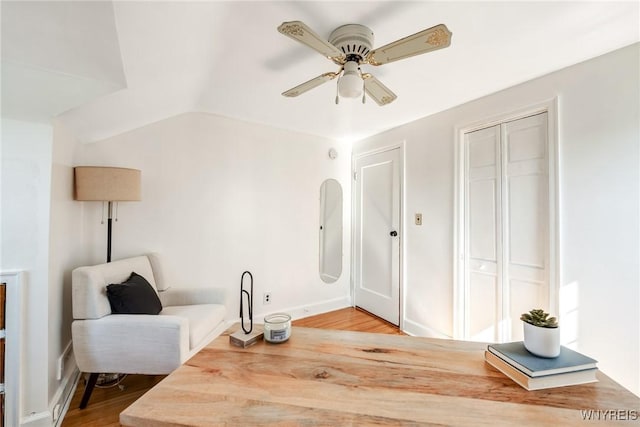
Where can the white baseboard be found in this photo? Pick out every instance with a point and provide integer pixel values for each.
(319, 308)
(59, 404)
(417, 330)
(39, 419)
(64, 400)
(302, 311)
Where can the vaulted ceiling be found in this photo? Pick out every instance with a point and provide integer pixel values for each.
(105, 68)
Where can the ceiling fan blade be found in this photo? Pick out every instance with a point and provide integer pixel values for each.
(299, 31)
(428, 40)
(376, 90)
(306, 86)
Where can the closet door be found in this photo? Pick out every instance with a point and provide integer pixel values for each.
(483, 234)
(506, 227)
(526, 219)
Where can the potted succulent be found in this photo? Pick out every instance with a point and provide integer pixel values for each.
(541, 333)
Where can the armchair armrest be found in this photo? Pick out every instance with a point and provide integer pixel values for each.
(131, 343)
(191, 296)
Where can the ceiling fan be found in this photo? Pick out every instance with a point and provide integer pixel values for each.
(351, 46)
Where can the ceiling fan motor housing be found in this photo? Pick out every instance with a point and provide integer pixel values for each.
(355, 40)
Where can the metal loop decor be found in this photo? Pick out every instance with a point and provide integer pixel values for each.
(248, 296)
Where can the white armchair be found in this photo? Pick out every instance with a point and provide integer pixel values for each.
(139, 343)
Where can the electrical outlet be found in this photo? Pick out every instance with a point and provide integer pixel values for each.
(418, 219)
(266, 298)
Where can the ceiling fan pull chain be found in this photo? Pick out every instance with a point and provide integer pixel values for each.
(337, 93)
(363, 98)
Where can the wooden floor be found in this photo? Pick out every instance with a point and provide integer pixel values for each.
(349, 319)
(106, 404)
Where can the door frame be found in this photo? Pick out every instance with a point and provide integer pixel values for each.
(401, 268)
(550, 106)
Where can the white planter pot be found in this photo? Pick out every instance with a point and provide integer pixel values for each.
(543, 342)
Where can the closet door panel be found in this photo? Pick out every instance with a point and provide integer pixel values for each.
(525, 208)
(482, 220)
(527, 231)
(482, 237)
(483, 292)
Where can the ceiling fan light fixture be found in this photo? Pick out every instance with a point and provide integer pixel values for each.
(350, 46)
(350, 84)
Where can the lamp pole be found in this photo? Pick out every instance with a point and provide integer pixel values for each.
(109, 226)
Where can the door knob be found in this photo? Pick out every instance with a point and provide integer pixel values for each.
(394, 233)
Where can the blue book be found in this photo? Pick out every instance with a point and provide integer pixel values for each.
(518, 356)
(546, 381)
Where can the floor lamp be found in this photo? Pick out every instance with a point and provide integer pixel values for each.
(106, 184)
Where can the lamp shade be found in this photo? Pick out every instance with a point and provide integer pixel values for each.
(97, 183)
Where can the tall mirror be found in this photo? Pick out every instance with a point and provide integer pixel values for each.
(330, 230)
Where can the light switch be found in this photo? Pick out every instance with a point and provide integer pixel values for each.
(418, 219)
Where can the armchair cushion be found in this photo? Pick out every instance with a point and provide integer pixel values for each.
(201, 319)
(133, 296)
(89, 285)
(131, 343)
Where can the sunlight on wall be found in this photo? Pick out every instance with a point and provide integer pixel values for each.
(485, 335)
(568, 315)
(513, 329)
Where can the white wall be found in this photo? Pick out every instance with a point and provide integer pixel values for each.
(221, 196)
(599, 204)
(26, 180)
(65, 253)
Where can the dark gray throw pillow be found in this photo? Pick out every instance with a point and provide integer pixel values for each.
(133, 296)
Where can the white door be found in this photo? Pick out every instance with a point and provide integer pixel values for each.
(507, 241)
(377, 234)
(525, 208)
(483, 234)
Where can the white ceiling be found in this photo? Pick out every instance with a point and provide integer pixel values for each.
(227, 58)
(56, 56)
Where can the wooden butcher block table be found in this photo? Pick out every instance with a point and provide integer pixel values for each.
(334, 378)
